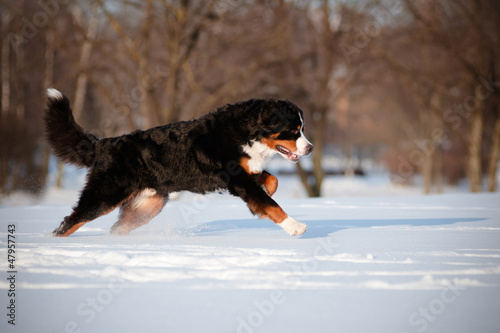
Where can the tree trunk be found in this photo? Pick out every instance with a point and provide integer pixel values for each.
(317, 158)
(48, 81)
(348, 147)
(5, 99)
(431, 147)
(427, 167)
(311, 189)
(313, 184)
(60, 172)
(474, 149)
(82, 78)
(494, 154)
(438, 169)
(19, 69)
(145, 102)
(5, 64)
(172, 88)
(48, 78)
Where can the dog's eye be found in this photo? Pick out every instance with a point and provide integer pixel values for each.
(294, 132)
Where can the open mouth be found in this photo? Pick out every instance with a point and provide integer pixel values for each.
(288, 154)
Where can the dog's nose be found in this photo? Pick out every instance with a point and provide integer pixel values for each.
(309, 149)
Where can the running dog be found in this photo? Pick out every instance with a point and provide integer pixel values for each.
(223, 150)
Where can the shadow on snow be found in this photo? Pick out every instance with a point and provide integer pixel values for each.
(322, 228)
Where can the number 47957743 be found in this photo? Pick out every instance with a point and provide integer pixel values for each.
(11, 246)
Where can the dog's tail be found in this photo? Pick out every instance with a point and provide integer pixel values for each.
(68, 140)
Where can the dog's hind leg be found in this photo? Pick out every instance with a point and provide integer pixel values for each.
(93, 202)
(83, 213)
(138, 210)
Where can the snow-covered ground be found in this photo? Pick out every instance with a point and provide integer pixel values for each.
(377, 263)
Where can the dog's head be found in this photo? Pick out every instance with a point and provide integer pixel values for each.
(279, 128)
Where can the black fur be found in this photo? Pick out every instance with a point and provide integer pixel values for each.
(68, 140)
(200, 156)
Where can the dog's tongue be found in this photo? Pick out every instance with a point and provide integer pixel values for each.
(293, 157)
(289, 155)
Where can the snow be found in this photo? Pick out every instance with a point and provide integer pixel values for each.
(373, 263)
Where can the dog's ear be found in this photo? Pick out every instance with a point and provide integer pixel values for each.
(279, 115)
(265, 117)
(254, 118)
(261, 118)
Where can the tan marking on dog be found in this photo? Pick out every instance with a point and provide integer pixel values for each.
(269, 182)
(139, 211)
(244, 163)
(72, 229)
(272, 142)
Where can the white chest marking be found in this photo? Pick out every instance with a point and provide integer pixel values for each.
(259, 155)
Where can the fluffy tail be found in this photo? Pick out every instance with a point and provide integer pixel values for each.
(68, 140)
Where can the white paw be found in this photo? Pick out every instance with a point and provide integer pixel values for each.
(293, 227)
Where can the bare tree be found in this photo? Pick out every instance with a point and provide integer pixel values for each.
(354, 68)
(182, 22)
(306, 65)
(90, 29)
(466, 30)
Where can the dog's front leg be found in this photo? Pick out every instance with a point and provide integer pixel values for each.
(261, 204)
(268, 182)
(277, 215)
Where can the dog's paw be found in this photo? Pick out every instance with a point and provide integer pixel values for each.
(293, 227)
(59, 232)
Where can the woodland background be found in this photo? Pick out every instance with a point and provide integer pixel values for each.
(412, 85)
